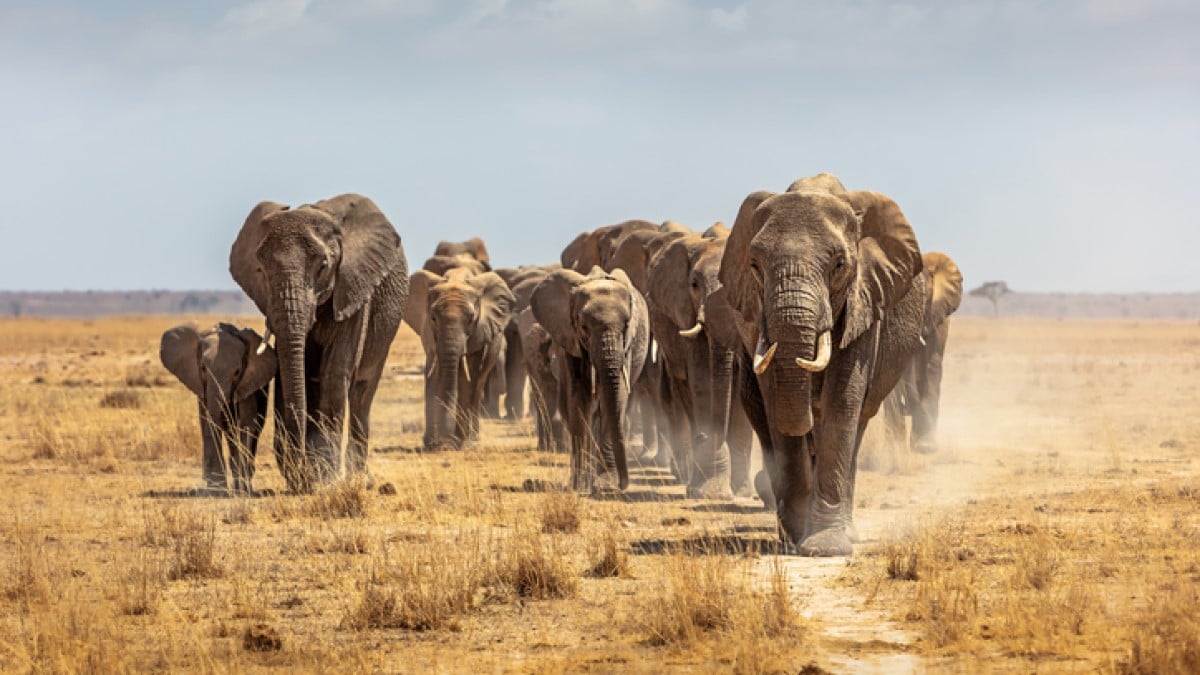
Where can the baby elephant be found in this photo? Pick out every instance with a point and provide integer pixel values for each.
(228, 369)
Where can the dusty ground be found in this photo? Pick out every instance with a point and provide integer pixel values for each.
(1056, 531)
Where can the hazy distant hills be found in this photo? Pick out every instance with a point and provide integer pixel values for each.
(1049, 305)
(102, 303)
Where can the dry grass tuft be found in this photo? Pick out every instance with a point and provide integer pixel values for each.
(612, 558)
(534, 569)
(121, 399)
(194, 551)
(560, 512)
(343, 499)
(421, 588)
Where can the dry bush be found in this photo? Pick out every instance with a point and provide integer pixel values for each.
(533, 568)
(194, 552)
(147, 375)
(560, 512)
(121, 399)
(612, 559)
(343, 499)
(355, 541)
(701, 595)
(28, 580)
(139, 589)
(422, 588)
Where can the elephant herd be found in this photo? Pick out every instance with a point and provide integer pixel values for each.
(793, 327)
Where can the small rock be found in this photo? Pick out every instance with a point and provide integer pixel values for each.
(1171, 444)
(261, 638)
(668, 522)
(387, 489)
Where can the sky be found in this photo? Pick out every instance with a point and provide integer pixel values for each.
(1052, 144)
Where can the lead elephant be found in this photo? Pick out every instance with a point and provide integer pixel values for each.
(332, 280)
(461, 319)
(600, 327)
(473, 249)
(919, 392)
(228, 369)
(829, 288)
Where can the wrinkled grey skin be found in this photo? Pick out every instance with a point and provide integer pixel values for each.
(461, 319)
(541, 362)
(515, 372)
(682, 277)
(332, 280)
(223, 368)
(918, 394)
(813, 260)
(599, 325)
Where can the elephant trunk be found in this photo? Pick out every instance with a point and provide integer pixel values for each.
(445, 417)
(795, 322)
(292, 323)
(614, 398)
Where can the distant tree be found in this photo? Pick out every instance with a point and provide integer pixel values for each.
(992, 290)
(15, 306)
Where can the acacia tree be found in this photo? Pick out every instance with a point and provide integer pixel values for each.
(992, 290)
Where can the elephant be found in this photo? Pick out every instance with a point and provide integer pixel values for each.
(441, 264)
(515, 369)
(541, 362)
(682, 277)
(332, 280)
(594, 248)
(829, 288)
(918, 393)
(229, 370)
(473, 249)
(461, 319)
(601, 332)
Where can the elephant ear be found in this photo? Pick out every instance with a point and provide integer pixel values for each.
(889, 258)
(260, 368)
(416, 311)
(717, 230)
(572, 250)
(744, 293)
(243, 259)
(493, 310)
(179, 351)
(668, 278)
(725, 324)
(371, 250)
(947, 287)
(551, 304)
(478, 250)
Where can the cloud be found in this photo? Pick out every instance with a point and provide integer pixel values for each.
(260, 16)
(732, 20)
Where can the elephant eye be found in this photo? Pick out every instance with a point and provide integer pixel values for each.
(841, 262)
(325, 263)
(754, 268)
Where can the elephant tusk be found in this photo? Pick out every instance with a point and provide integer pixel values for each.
(763, 355)
(824, 350)
(432, 368)
(262, 346)
(654, 351)
(466, 368)
(625, 376)
(693, 331)
(923, 343)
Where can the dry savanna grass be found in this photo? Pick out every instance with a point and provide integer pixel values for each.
(1054, 531)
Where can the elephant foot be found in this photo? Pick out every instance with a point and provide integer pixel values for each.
(826, 544)
(713, 488)
(925, 447)
(852, 533)
(762, 485)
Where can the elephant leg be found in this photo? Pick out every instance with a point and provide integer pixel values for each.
(740, 440)
(515, 374)
(485, 363)
(243, 446)
(432, 431)
(851, 528)
(792, 483)
(213, 459)
(577, 377)
(679, 430)
(494, 387)
(362, 394)
(925, 405)
(288, 462)
(893, 418)
(337, 373)
(754, 409)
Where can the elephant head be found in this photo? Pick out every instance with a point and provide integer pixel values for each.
(224, 367)
(682, 278)
(321, 259)
(595, 248)
(456, 315)
(813, 269)
(442, 264)
(599, 322)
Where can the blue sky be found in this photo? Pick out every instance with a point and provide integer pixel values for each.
(1052, 144)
